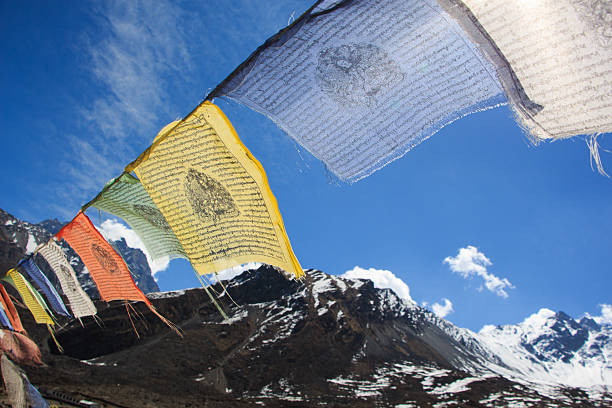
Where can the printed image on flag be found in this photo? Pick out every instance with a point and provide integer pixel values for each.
(359, 83)
(214, 195)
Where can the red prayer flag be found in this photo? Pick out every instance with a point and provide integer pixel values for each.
(20, 348)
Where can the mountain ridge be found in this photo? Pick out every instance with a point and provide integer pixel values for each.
(323, 341)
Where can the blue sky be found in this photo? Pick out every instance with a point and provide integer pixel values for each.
(87, 85)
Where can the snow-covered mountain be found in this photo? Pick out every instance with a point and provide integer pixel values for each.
(20, 238)
(323, 341)
(550, 347)
(547, 348)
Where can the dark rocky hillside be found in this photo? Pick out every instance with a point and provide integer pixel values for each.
(322, 341)
(325, 341)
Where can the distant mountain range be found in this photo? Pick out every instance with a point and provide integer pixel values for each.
(323, 341)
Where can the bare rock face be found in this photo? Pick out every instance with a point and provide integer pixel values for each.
(323, 341)
(139, 267)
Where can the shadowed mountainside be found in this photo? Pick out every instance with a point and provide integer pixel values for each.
(324, 341)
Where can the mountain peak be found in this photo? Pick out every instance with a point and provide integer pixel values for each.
(323, 340)
(52, 225)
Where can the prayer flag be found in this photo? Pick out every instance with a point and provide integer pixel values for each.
(39, 278)
(29, 296)
(11, 312)
(126, 198)
(214, 194)
(554, 59)
(359, 83)
(80, 304)
(4, 318)
(20, 348)
(21, 393)
(107, 268)
(14, 383)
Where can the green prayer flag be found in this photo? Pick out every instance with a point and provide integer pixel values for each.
(126, 198)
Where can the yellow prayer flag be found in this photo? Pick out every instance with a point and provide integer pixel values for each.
(29, 297)
(214, 194)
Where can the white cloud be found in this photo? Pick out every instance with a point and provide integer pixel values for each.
(536, 321)
(442, 310)
(141, 47)
(234, 271)
(139, 54)
(113, 230)
(470, 262)
(606, 314)
(382, 279)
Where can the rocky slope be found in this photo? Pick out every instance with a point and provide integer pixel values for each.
(551, 347)
(323, 341)
(19, 238)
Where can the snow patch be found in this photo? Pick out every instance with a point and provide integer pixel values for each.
(360, 388)
(167, 295)
(237, 317)
(286, 392)
(322, 310)
(458, 386)
(31, 245)
(321, 285)
(92, 362)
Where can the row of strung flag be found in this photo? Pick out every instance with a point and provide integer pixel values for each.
(358, 83)
(15, 345)
(199, 194)
(31, 284)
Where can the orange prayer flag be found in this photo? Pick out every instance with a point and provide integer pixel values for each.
(11, 311)
(107, 268)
